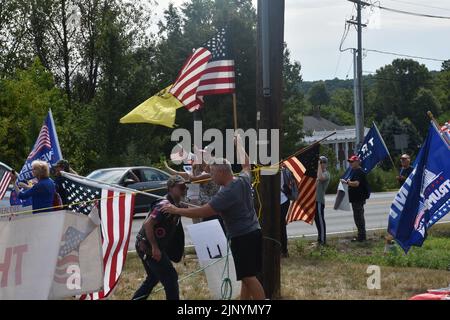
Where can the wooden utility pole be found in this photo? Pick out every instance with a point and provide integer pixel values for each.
(359, 97)
(270, 46)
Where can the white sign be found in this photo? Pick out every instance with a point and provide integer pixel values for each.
(211, 246)
(32, 248)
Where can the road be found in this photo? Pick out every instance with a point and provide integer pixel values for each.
(337, 221)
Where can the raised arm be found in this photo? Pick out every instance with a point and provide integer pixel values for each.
(184, 175)
(242, 155)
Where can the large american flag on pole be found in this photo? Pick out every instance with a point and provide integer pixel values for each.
(115, 207)
(5, 179)
(208, 71)
(304, 170)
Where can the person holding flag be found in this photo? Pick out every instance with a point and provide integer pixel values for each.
(424, 198)
(46, 148)
(406, 169)
(43, 192)
(372, 151)
(358, 193)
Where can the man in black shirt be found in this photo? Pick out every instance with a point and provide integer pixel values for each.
(358, 193)
(406, 169)
(154, 241)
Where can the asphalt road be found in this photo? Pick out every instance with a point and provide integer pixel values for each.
(337, 221)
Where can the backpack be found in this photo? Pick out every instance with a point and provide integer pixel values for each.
(175, 247)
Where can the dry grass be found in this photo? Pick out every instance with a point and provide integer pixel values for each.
(336, 272)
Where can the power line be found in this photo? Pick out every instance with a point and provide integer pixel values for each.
(421, 5)
(417, 14)
(404, 55)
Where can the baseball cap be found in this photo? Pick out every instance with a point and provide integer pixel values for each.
(354, 158)
(323, 159)
(174, 180)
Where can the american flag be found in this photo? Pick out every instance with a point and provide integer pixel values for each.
(43, 141)
(208, 71)
(445, 132)
(304, 170)
(5, 179)
(115, 208)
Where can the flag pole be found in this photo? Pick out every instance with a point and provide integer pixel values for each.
(433, 119)
(235, 111)
(384, 144)
(303, 150)
(125, 189)
(438, 127)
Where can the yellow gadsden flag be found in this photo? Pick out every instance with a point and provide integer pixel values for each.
(159, 109)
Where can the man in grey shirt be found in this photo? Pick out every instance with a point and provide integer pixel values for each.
(323, 179)
(234, 202)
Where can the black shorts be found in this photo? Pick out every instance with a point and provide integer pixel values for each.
(247, 254)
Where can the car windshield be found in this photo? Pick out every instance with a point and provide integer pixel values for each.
(108, 176)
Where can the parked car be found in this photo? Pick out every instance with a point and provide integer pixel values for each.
(137, 178)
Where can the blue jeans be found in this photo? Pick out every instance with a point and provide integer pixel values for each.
(158, 271)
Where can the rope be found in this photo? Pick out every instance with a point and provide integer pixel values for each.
(225, 293)
(227, 287)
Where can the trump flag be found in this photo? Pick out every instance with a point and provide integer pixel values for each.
(46, 148)
(372, 152)
(424, 198)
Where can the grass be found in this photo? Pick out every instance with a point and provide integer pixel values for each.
(337, 271)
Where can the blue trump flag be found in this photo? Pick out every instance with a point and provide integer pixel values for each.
(372, 151)
(46, 148)
(424, 197)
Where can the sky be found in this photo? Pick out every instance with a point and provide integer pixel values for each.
(314, 28)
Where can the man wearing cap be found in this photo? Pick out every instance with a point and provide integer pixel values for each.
(323, 179)
(358, 193)
(154, 239)
(406, 169)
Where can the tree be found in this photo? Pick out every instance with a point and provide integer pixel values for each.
(392, 126)
(423, 102)
(397, 85)
(318, 95)
(445, 65)
(293, 106)
(25, 100)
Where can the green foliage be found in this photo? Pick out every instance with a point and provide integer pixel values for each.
(25, 99)
(318, 95)
(434, 254)
(391, 126)
(95, 70)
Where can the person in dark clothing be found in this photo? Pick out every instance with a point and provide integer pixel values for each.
(153, 241)
(358, 193)
(62, 165)
(284, 209)
(405, 170)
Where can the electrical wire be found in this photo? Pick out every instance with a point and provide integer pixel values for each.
(404, 55)
(421, 5)
(416, 14)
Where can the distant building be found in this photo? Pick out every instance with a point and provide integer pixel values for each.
(343, 142)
